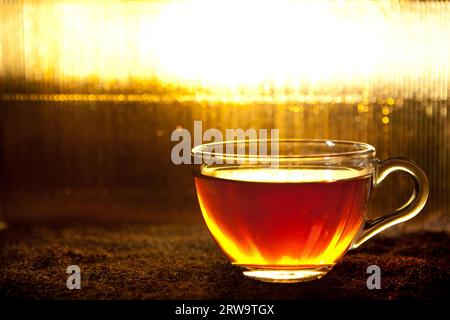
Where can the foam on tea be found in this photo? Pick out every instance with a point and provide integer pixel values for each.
(283, 218)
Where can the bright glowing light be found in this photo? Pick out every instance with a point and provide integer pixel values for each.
(253, 42)
(238, 49)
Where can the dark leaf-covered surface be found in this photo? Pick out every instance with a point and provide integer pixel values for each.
(182, 262)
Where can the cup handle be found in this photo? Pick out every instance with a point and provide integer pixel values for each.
(409, 210)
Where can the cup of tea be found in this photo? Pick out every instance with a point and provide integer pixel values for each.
(291, 212)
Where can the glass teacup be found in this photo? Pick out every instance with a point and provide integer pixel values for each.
(292, 215)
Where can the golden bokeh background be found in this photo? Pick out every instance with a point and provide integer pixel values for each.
(90, 92)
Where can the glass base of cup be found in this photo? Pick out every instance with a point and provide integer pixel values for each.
(287, 275)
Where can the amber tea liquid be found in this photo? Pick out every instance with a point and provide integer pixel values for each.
(283, 218)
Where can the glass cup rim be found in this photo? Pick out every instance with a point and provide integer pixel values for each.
(362, 149)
